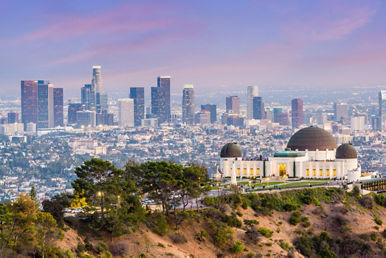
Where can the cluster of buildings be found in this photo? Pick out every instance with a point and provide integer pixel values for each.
(311, 153)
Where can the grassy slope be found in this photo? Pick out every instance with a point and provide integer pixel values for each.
(322, 218)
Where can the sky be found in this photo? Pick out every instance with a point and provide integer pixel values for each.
(216, 45)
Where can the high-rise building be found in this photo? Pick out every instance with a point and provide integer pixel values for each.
(258, 108)
(88, 97)
(29, 102)
(203, 117)
(382, 109)
(45, 105)
(160, 99)
(233, 105)
(86, 118)
(252, 91)
(280, 116)
(188, 104)
(341, 112)
(101, 100)
(58, 107)
(73, 108)
(97, 79)
(297, 113)
(213, 111)
(126, 112)
(138, 95)
(13, 118)
(358, 123)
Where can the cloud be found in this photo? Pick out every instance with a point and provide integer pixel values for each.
(330, 24)
(123, 19)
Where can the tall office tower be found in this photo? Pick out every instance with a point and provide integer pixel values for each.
(341, 112)
(233, 105)
(29, 102)
(252, 91)
(160, 99)
(13, 118)
(212, 110)
(297, 113)
(138, 95)
(88, 96)
(86, 118)
(126, 112)
(72, 109)
(58, 107)
(45, 105)
(382, 109)
(97, 79)
(188, 104)
(97, 86)
(258, 108)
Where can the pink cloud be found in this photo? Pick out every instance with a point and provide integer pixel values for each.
(329, 25)
(123, 19)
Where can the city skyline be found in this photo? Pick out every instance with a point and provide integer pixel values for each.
(292, 45)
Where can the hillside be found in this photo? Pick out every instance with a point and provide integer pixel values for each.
(351, 229)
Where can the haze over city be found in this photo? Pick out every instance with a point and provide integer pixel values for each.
(211, 44)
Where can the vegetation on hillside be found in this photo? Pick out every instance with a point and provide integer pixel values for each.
(111, 202)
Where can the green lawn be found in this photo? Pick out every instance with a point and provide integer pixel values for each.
(297, 184)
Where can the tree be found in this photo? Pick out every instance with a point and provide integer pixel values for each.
(100, 185)
(32, 193)
(25, 229)
(56, 209)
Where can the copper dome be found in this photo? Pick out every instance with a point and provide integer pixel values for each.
(230, 150)
(312, 138)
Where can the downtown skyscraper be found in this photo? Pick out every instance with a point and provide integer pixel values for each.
(297, 113)
(138, 95)
(41, 104)
(45, 105)
(97, 87)
(29, 102)
(382, 109)
(160, 99)
(232, 104)
(258, 108)
(188, 104)
(212, 110)
(252, 91)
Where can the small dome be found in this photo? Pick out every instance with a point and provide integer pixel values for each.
(346, 151)
(312, 138)
(230, 150)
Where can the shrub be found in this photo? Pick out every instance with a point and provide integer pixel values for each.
(384, 233)
(239, 213)
(289, 207)
(119, 249)
(378, 220)
(160, 225)
(305, 221)
(295, 218)
(251, 222)
(306, 199)
(284, 245)
(161, 245)
(101, 247)
(253, 234)
(223, 237)
(237, 247)
(232, 221)
(178, 238)
(356, 192)
(265, 232)
(380, 199)
(373, 236)
(367, 202)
